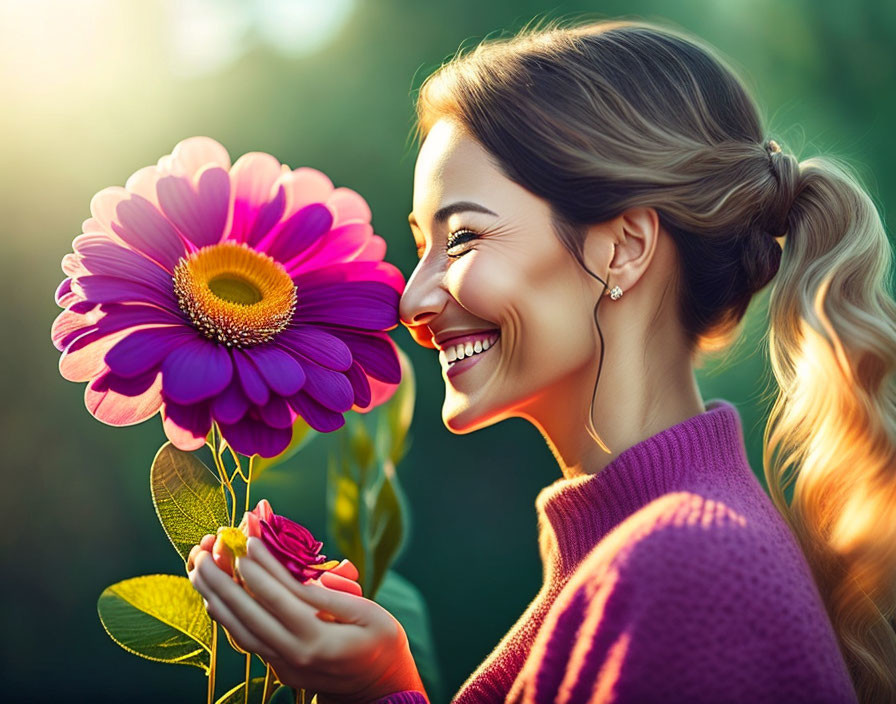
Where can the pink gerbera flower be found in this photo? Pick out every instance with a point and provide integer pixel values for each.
(247, 295)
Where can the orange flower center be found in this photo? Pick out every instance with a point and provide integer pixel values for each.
(234, 294)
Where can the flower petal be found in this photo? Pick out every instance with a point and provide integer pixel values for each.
(330, 389)
(200, 213)
(64, 295)
(368, 305)
(373, 251)
(305, 185)
(277, 413)
(341, 244)
(112, 289)
(186, 426)
(86, 362)
(145, 229)
(70, 324)
(231, 404)
(317, 416)
(250, 379)
(251, 436)
(298, 233)
(268, 215)
(281, 371)
(143, 183)
(345, 272)
(317, 345)
(252, 178)
(191, 154)
(113, 317)
(196, 370)
(145, 349)
(101, 255)
(349, 205)
(375, 351)
(360, 386)
(118, 401)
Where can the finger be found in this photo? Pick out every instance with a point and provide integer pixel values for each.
(296, 615)
(336, 581)
(348, 608)
(219, 611)
(347, 569)
(247, 611)
(207, 542)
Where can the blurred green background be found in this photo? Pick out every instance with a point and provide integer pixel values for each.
(95, 89)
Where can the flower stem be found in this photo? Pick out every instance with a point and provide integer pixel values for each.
(222, 472)
(249, 480)
(267, 681)
(212, 662)
(248, 676)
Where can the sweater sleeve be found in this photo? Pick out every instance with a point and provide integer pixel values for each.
(410, 696)
(685, 614)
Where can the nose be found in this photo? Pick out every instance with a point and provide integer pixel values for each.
(423, 299)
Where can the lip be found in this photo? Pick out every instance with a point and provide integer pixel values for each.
(467, 362)
(469, 335)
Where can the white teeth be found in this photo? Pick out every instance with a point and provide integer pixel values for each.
(477, 346)
(468, 349)
(486, 344)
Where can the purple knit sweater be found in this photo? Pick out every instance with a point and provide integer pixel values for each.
(669, 576)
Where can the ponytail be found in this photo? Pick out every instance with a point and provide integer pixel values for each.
(831, 434)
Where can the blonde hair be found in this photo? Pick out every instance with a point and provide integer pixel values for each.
(608, 115)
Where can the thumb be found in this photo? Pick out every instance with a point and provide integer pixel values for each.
(348, 608)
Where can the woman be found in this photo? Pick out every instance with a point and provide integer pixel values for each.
(623, 160)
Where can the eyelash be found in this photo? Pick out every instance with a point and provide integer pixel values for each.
(449, 242)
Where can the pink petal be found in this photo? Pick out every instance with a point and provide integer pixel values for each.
(348, 205)
(73, 266)
(65, 296)
(69, 321)
(374, 250)
(353, 271)
(143, 183)
(87, 362)
(252, 179)
(200, 213)
(303, 186)
(380, 392)
(118, 409)
(191, 154)
(339, 245)
(186, 426)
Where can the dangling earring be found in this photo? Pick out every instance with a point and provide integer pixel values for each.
(616, 293)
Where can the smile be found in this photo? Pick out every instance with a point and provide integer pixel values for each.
(462, 357)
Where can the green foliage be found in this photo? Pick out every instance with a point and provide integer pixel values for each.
(404, 601)
(188, 497)
(159, 617)
(256, 689)
(302, 434)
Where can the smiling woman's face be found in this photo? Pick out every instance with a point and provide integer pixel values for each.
(504, 277)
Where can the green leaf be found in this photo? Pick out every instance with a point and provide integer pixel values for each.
(159, 617)
(283, 695)
(302, 434)
(343, 512)
(386, 535)
(256, 689)
(404, 601)
(396, 414)
(188, 497)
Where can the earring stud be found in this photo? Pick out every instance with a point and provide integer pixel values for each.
(615, 293)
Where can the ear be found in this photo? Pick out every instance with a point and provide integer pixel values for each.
(621, 249)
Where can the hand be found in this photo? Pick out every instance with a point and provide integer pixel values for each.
(359, 657)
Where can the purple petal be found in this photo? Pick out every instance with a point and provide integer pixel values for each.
(100, 255)
(320, 347)
(268, 215)
(251, 436)
(125, 386)
(253, 385)
(186, 426)
(252, 178)
(86, 363)
(299, 232)
(111, 289)
(145, 229)
(369, 305)
(231, 404)
(317, 416)
(200, 216)
(64, 295)
(344, 272)
(330, 389)
(145, 349)
(280, 370)
(277, 413)
(374, 350)
(196, 370)
(360, 385)
(119, 316)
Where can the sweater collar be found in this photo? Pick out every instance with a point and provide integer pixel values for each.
(575, 514)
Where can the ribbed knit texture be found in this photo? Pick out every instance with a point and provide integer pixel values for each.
(669, 576)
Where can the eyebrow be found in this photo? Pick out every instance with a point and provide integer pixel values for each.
(445, 212)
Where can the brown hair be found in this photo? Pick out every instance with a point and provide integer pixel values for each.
(608, 115)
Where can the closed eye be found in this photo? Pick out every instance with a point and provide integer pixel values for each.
(458, 237)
